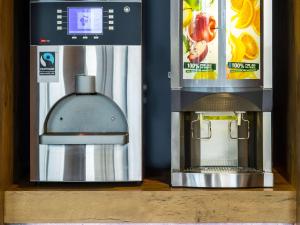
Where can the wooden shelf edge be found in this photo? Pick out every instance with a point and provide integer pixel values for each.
(137, 206)
(152, 202)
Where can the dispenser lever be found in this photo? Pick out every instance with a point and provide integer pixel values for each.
(239, 138)
(201, 138)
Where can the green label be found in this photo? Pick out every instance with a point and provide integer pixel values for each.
(243, 67)
(201, 67)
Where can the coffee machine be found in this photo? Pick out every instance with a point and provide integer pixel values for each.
(221, 81)
(86, 91)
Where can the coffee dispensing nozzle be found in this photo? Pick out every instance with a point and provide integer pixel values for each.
(85, 84)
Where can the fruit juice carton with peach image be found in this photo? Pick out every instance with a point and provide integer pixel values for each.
(200, 41)
(243, 58)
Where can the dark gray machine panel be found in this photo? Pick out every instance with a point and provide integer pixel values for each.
(222, 100)
(86, 23)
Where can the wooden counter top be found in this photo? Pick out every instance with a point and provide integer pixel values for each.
(152, 202)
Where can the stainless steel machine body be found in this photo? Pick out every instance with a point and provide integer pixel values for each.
(221, 129)
(86, 91)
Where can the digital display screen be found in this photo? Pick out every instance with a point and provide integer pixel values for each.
(85, 20)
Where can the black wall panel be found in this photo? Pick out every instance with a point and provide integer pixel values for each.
(157, 66)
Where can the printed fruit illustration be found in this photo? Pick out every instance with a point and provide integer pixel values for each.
(237, 5)
(245, 15)
(199, 42)
(254, 2)
(206, 76)
(241, 76)
(251, 47)
(195, 4)
(256, 21)
(202, 28)
(198, 52)
(187, 14)
(238, 49)
(243, 49)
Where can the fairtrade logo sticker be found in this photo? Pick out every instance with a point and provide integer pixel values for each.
(47, 64)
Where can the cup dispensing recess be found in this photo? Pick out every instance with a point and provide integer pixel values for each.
(85, 118)
(86, 91)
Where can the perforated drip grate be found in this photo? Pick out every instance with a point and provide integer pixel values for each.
(222, 169)
(219, 163)
(223, 102)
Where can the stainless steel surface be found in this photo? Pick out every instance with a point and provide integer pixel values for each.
(102, 139)
(222, 169)
(176, 68)
(268, 44)
(176, 140)
(267, 142)
(219, 149)
(220, 179)
(192, 168)
(88, 163)
(117, 71)
(85, 114)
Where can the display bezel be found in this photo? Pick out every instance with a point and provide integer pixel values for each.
(83, 33)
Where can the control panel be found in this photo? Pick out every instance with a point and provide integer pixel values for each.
(86, 23)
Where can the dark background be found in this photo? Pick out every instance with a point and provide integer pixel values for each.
(156, 67)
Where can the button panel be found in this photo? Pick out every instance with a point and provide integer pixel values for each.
(50, 21)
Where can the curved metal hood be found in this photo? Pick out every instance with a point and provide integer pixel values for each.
(85, 117)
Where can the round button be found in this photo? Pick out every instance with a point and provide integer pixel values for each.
(127, 9)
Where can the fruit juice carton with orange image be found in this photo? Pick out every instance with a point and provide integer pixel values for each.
(200, 41)
(243, 58)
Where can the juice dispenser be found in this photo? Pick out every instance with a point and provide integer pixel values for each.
(86, 91)
(221, 80)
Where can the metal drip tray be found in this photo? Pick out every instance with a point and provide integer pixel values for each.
(222, 177)
(222, 169)
(87, 139)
